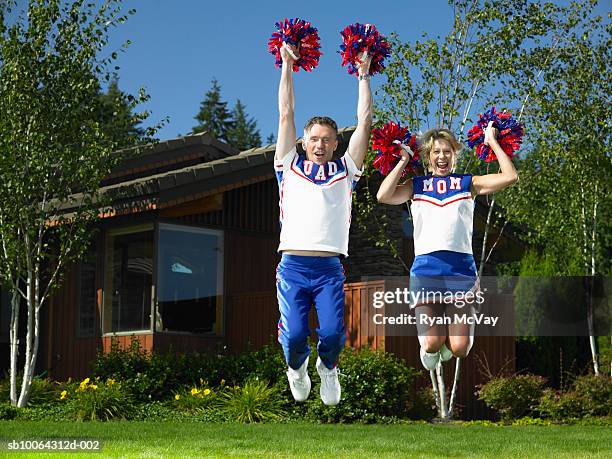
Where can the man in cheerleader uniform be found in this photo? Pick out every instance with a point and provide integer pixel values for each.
(442, 212)
(315, 213)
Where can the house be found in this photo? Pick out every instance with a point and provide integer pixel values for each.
(185, 260)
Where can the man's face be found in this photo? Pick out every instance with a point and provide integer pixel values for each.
(320, 143)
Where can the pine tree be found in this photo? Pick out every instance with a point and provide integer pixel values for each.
(271, 139)
(243, 133)
(213, 115)
(116, 117)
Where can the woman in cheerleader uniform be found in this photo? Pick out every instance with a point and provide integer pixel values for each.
(443, 277)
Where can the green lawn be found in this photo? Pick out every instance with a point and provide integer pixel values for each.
(192, 439)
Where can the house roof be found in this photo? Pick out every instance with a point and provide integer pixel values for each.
(187, 168)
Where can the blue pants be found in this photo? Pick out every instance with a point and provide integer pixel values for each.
(300, 283)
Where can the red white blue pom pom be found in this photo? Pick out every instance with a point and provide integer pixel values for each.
(389, 152)
(509, 137)
(302, 35)
(358, 38)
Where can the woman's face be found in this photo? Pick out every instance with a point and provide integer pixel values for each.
(441, 158)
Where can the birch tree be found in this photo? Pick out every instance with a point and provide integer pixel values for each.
(565, 200)
(53, 147)
(495, 53)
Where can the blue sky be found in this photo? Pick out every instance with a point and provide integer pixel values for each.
(179, 46)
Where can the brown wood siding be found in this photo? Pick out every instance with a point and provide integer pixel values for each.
(252, 320)
(360, 329)
(185, 342)
(253, 207)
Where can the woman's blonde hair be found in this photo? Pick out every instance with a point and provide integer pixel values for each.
(426, 142)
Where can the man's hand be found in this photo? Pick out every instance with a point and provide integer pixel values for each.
(490, 134)
(289, 53)
(363, 67)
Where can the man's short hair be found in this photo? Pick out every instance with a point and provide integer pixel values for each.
(323, 120)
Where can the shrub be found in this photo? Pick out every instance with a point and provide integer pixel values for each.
(147, 376)
(8, 411)
(98, 400)
(151, 376)
(589, 395)
(194, 399)
(376, 386)
(43, 390)
(514, 396)
(595, 394)
(255, 401)
(559, 406)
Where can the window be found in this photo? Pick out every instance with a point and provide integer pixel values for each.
(86, 309)
(128, 280)
(190, 279)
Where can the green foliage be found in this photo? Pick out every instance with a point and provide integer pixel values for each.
(235, 128)
(194, 399)
(560, 198)
(154, 376)
(98, 400)
(539, 294)
(375, 386)
(55, 148)
(42, 391)
(243, 133)
(116, 117)
(55, 412)
(8, 411)
(213, 115)
(559, 406)
(514, 396)
(255, 401)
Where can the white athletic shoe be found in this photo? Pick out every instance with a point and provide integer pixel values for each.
(430, 361)
(445, 353)
(299, 382)
(330, 386)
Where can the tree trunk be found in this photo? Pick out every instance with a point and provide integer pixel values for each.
(442, 391)
(14, 342)
(28, 371)
(588, 272)
(453, 397)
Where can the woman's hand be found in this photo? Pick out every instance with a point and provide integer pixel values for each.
(405, 151)
(490, 134)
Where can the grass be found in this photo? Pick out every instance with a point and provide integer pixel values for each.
(193, 439)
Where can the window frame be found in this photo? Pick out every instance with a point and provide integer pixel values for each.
(219, 330)
(107, 287)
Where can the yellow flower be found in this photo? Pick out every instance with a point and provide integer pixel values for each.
(194, 391)
(223, 382)
(110, 381)
(201, 382)
(93, 386)
(177, 397)
(206, 391)
(83, 384)
(64, 394)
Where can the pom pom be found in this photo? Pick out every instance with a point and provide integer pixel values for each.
(301, 34)
(389, 153)
(358, 38)
(510, 134)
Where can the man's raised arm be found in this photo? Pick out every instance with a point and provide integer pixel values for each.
(286, 123)
(358, 145)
